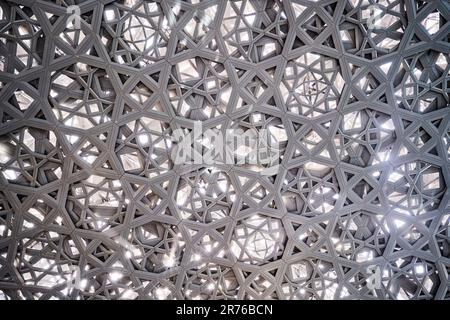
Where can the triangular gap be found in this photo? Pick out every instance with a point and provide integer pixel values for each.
(139, 213)
(402, 150)
(325, 153)
(103, 136)
(329, 42)
(157, 106)
(353, 14)
(408, 62)
(164, 185)
(102, 253)
(181, 46)
(382, 98)
(354, 69)
(368, 83)
(177, 11)
(73, 37)
(425, 247)
(298, 9)
(242, 180)
(436, 123)
(295, 249)
(270, 103)
(58, 220)
(7, 276)
(324, 224)
(296, 125)
(244, 205)
(202, 19)
(295, 225)
(273, 272)
(7, 116)
(40, 115)
(167, 212)
(296, 153)
(419, 5)
(135, 187)
(348, 175)
(127, 109)
(376, 201)
(406, 123)
(92, 52)
(415, 39)
(331, 8)
(433, 151)
(140, 93)
(34, 83)
(324, 248)
(326, 125)
(122, 77)
(76, 168)
(211, 46)
(155, 76)
(314, 26)
(107, 165)
(347, 202)
(52, 17)
(385, 67)
(352, 98)
(297, 43)
(53, 194)
(377, 174)
(427, 223)
(22, 197)
(256, 87)
(272, 205)
(240, 72)
(190, 229)
(439, 85)
(397, 248)
(220, 229)
(272, 178)
(60, 53)
(271, 72)
(274, 30)
(85, 242)
(362, 188)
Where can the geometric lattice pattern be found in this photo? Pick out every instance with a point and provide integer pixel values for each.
(355, 92)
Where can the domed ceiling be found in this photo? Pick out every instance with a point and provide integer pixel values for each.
(348, 99)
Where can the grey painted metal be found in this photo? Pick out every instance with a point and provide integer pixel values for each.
(93, 207)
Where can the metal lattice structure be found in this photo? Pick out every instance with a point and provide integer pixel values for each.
(354, 92)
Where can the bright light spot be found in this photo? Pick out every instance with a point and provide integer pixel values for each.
(162, 293)
(109, 15)
(83, 283)
(143, 139)
(419, 269)
(115, 276)
(168, 260)
(10, 174)
(364, 256)
(388, 125)
(399, 223)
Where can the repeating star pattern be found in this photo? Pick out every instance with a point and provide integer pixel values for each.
(354, 92)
